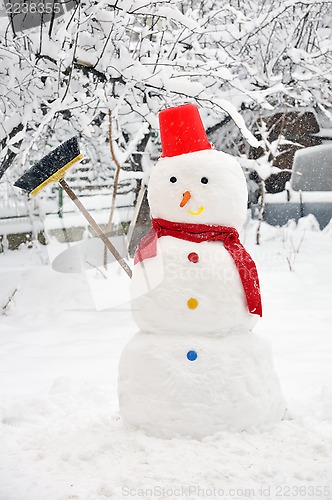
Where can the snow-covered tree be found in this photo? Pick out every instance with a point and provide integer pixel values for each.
(134, 58)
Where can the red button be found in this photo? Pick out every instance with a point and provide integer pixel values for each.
(193, 257)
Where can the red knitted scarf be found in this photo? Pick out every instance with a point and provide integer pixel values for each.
(204, 232)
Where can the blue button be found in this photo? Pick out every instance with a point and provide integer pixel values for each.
(192, 355)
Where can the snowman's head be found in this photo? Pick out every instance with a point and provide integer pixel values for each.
(204, 187)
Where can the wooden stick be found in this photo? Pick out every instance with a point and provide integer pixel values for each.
(109, 226)
(9, 301)
(96, 227)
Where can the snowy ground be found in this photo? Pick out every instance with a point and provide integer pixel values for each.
(60, 432)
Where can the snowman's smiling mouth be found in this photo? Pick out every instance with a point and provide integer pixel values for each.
(185, 198)
(199, 211)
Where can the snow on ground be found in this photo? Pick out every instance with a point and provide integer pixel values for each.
(60, 432)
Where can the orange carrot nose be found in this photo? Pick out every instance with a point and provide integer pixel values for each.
(186, 197)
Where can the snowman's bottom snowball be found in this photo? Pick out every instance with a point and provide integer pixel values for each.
(231, 385)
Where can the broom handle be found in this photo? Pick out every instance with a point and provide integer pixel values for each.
(96, 227)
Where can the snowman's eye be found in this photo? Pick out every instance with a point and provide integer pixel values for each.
(204, 180)
(173, 179)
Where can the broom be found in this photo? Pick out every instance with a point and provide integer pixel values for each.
(52, 168)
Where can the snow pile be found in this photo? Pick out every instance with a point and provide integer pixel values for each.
(62, 437)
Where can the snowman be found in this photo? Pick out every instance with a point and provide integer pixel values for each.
(195, 367)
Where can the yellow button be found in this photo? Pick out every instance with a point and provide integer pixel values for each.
(192, 303)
